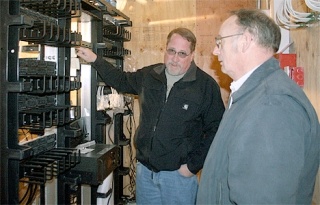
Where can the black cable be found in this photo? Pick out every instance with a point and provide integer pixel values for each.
(129, 125)
(25, 134)
(25, 194)
(110, 194)
(29, 201)
(32, 194)
(109, 130)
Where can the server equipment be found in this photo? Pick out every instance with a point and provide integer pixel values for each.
(43, 120)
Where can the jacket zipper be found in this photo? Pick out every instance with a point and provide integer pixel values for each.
(161, 110)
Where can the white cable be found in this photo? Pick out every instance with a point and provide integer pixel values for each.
(283, 19)
(313, 4)
(289, 18)
(296, 16)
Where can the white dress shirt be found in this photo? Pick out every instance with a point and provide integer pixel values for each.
(235, 85)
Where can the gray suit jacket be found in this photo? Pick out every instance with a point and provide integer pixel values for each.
(266, 150)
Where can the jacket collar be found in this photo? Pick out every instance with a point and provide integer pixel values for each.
(257, 77)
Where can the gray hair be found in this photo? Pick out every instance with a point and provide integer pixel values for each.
(261, 26)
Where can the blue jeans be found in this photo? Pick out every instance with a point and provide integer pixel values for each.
(165, 187)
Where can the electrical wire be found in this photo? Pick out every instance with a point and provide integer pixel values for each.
(25, 194)
(290, 18)
(25, 134)
(109, 199)
(130, 125)
(30, 194)
(313, 4)
(298, 16)
(109, 131)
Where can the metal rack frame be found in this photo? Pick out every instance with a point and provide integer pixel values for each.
(35, 94)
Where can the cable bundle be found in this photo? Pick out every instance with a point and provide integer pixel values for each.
(313, 4)
(289, 18)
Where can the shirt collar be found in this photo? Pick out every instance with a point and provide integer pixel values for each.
(235, 85)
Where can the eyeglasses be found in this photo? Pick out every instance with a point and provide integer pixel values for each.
(181, 54)
(218, 39)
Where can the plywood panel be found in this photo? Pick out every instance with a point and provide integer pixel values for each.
(306, 45)
(210, 15)
(152, 21)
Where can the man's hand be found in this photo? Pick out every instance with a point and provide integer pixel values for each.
(86, 54)
(184, 171)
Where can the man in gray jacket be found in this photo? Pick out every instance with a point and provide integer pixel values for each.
(266, 150)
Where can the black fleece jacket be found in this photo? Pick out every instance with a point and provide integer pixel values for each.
(175, 131)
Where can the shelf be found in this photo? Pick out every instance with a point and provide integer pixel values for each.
(96, 8)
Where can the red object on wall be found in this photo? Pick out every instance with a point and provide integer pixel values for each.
(287, 59)
(297, 74)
